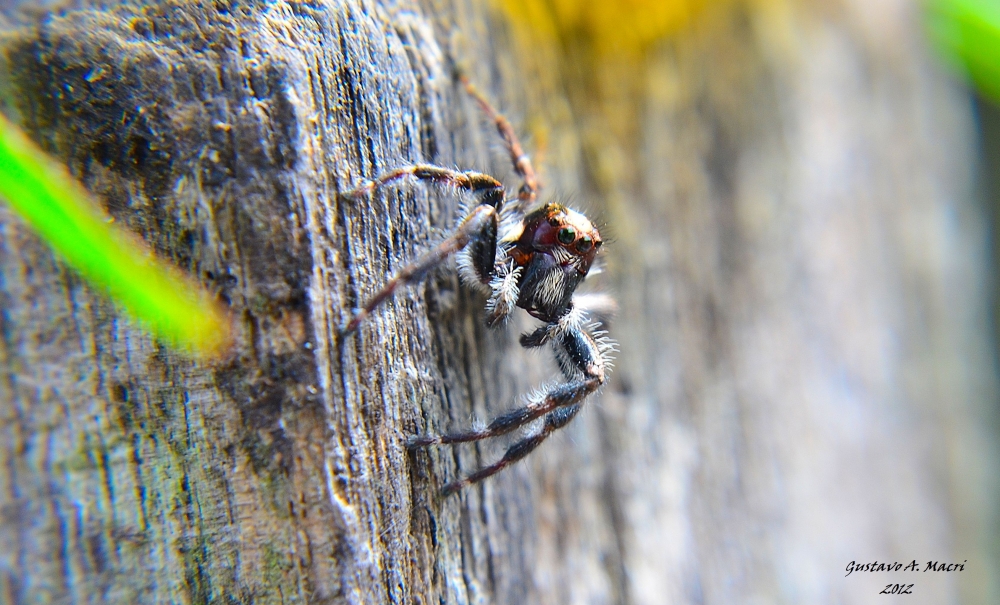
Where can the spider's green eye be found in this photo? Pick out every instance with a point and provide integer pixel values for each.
(566, 235)
(585, 244)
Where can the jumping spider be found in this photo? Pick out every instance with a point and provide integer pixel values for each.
(523, 255)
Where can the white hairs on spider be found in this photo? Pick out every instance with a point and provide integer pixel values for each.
(551, 288)
(537, 395)
(606, 348)
(467, 271)
(565, 257)
(575, 318)
(503, 288)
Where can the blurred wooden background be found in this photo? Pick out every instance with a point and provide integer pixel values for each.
(800, 250)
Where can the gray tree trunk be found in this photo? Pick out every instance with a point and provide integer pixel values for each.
(807, 375)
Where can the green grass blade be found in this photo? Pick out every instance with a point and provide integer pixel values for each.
(967, 32)
(42, 191)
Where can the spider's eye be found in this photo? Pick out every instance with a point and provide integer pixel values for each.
(566, 235)
(585, 244)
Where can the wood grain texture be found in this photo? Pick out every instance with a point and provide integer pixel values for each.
(806, 378)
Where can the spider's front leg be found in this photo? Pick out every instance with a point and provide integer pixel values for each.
(585, 359)
(478, 230)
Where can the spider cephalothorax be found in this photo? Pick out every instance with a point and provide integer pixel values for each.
(554, 248)
(527, 257)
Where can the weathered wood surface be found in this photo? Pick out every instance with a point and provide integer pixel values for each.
(806, 376)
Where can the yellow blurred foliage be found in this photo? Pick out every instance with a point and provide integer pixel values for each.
(608, 25)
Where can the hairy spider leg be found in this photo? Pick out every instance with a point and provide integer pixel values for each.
(589, 358)
(560, 396)
(488, 188)
(473, 224)
(528, 192)
(554, 421)
(478, 228)
(586, 358)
